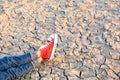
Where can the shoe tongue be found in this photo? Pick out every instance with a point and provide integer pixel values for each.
(49, 39)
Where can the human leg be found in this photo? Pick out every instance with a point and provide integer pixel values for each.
(13, 61)
(46, 52)
(14, 72)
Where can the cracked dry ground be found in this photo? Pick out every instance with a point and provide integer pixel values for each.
(89, 36)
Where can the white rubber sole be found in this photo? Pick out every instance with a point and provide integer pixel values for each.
(54, 47)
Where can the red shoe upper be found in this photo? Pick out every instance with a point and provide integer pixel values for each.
(46, 50)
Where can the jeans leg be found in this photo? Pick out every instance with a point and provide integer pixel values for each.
(12, 73)
(13, 61)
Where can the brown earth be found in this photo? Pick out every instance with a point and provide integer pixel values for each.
(89, 36)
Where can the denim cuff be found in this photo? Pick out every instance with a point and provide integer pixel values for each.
(35, 63)
(33, 55)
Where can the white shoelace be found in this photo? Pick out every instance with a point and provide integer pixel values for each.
(47, 43)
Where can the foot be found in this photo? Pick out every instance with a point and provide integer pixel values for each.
(47, 51)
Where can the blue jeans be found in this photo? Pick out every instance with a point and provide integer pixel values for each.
(14, 66)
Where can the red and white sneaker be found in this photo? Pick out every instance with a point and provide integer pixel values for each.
(47, 51)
